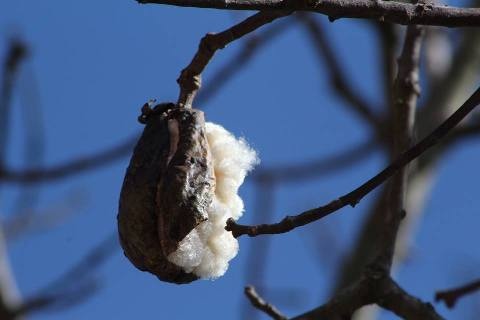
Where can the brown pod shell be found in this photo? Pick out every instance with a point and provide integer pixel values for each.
(167, 189)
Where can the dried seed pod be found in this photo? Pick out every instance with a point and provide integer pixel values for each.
(180, 188)
(168, 187)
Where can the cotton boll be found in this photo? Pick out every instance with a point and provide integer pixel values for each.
(190, 252)
(232, 159)
(224, 244)
(212, 266)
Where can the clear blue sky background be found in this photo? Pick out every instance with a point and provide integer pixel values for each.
(96, 62)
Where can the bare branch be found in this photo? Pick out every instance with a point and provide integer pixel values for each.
(338, 78)
(405, 95)
(190, 77)
(405, 305)
(353, 197)
(388, 38)
(262, 305)
(451, 296)
(343, 304)
(389, 11)
(375, 286)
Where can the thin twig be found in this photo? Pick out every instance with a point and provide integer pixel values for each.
(389, 11)
(353, 197)
(190, 77)
(250, 48)
(451, 296)
(262, 305)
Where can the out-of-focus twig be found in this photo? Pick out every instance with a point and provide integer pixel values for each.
(451, 296)
(9, 296)
(466, 131)
(353, 197)
(69, 168)
(262, 305)
(34, 138)
(258, 251)
(237, 62)
(16, 53)
(58, 301)
(313, 168)
(339, 81)
(86, 265)
(74, 285)
(30, 221)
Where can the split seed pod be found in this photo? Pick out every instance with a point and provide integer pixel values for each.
(167, 190)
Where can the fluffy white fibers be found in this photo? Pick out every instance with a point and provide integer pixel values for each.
(208, 248)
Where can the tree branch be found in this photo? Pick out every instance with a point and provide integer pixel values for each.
(262, 305)
(343, 304)
(451, 296)
(406, 92)
(190, 77)
(405, 305)
(375, 286)
(352, 198)
(389, 11)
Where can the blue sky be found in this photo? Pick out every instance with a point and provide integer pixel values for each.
(96, 62)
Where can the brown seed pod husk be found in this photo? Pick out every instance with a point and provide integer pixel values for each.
(167, 189)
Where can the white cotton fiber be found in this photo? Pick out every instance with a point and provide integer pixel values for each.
(208, 248)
